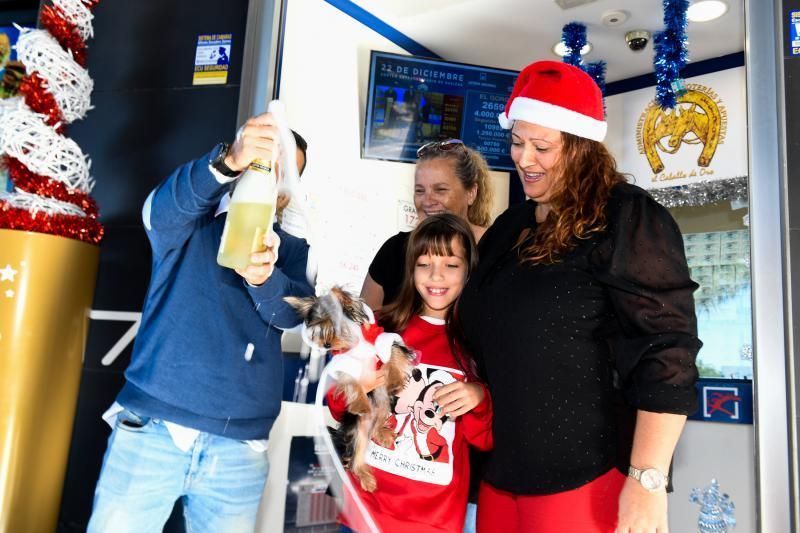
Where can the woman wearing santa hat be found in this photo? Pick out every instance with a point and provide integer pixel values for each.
(582, 317)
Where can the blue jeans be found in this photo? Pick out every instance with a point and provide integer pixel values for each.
(469, 522)
(219, 481)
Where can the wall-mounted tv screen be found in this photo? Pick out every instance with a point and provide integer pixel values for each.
(414, 100)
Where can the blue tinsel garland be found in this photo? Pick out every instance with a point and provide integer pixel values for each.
(573, 35)
(597, 71)
(671, 52)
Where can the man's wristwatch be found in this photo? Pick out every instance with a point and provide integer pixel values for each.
(651, 479)
(217, 161)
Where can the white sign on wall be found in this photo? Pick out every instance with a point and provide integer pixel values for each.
(406, 215)
(703, 138)
(343, 214)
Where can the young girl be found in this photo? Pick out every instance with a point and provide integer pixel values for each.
(423, 477)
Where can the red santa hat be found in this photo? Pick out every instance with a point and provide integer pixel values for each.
(559, 96)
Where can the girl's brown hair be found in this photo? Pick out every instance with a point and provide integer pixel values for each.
(472, 171)
(434, 236)
(585, 173)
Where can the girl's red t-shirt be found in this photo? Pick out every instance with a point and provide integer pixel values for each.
(423, 478)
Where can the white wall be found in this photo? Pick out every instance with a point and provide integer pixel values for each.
(615, 140)
(355, 202)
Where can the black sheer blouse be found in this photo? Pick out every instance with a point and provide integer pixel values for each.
(572, 350)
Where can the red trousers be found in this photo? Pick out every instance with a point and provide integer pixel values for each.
(592, 508)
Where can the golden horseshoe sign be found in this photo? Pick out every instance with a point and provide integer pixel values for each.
(696, 119)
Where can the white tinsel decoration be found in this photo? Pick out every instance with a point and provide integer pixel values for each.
(76, 12)
(746, 352)
(10, 104)
(704, 192)
(25, 136)
(34, 203)
(69, 82)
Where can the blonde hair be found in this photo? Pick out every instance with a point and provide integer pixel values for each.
(472, 171)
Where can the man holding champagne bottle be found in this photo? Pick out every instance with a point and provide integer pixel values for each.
(204, 384)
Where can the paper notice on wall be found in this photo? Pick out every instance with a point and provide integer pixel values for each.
(342, 225)
(406, 216)
(212, 59)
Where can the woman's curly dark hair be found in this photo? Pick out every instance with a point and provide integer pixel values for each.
(585, 173)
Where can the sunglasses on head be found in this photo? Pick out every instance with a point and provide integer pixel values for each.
(439, 146)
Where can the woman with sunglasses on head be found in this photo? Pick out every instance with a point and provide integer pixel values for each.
(581, 317)
(449, 178)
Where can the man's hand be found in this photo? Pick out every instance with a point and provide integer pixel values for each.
(254, 140)
(262, 263)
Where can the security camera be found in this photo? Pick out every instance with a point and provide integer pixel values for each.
(637, 40)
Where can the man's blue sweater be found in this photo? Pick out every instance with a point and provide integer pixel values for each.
(192, 362)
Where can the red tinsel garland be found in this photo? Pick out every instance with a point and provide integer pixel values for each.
(40, 100)
(30, 182)
(65, 32)
(37, 96)
(86, 229)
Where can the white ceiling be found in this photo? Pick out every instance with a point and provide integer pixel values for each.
(513, 33)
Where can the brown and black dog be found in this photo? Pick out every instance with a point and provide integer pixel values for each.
(342, 323)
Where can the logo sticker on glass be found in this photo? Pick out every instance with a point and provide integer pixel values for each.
(725, 400)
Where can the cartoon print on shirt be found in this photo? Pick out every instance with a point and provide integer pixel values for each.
(429, 419)
(404, 402)
(421, 450)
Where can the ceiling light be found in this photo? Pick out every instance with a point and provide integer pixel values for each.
(706, 10)
(569, 4)
(560, 49)
(614, 18)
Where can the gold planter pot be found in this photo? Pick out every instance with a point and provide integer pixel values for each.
(46, 290)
